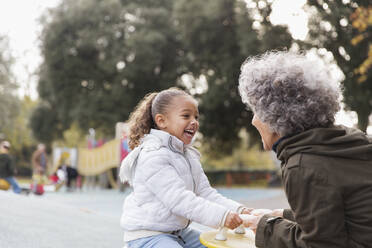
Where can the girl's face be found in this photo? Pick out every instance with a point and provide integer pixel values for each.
(267, 136)
(181, 119)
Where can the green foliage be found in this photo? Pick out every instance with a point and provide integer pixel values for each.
(19, 133)
(241, 157)
(72, 137)
(253, 158)
(44, 124)
(361, 20)
(218, 36)
(14, 113)
(102, 57)
(20, 136)
(331, 28)
(9, 104)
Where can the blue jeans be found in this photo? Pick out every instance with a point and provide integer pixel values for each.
(190, 239)
(14, 184)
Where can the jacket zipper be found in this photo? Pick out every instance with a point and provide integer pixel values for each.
(188, 162)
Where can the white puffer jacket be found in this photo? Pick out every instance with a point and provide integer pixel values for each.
(170, 187)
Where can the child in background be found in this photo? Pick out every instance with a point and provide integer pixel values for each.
(170, 188)
(7, 168)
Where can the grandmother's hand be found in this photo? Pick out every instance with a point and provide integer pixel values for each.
(255, 217)
(251, 221)
(261, 211)
(278, 212)
(247, 210)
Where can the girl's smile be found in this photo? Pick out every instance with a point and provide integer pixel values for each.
(181, 120)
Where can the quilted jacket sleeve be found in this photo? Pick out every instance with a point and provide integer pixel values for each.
(206, 191)
(161, 178)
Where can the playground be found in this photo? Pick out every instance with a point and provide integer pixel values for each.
(89, 218)
(89, 214)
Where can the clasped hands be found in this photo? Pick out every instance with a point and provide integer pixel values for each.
(253, 216)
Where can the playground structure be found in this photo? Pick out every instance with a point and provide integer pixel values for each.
(98, 161)
(104, 162)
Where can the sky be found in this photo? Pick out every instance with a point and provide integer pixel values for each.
(19, 21)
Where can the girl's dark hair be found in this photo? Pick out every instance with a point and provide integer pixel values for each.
(141, 120)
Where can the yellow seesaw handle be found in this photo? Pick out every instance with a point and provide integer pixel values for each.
(224, 238)
(233, 240)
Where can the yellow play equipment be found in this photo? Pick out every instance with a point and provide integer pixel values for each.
(98, 160)
(225, 238)
(4, 185)
(95, 161)
(233, 240)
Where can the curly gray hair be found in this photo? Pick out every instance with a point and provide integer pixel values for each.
(289, 92)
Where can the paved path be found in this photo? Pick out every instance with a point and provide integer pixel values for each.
(87, 219)
(36, 222)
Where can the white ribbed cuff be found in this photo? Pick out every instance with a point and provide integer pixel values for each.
(222, 223)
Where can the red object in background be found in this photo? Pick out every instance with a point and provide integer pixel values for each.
(95, 143)
(100, 142)
(78, 182)
(53, 178)
(37, 189)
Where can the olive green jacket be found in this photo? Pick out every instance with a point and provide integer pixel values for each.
(327, 177)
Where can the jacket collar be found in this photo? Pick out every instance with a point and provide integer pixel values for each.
(168, 140)
(152, 141)
(335, 141)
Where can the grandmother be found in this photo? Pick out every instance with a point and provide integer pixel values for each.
(326, 169)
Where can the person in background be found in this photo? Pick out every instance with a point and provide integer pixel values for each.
(39, 165)
(6, 166)
(326, 168)
(39, 160)
(71, 174)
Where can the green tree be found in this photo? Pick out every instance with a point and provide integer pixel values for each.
(331, 28)
(362, 22)
(101, 58)
(14, 113)
(9, 103)
(219, 36)
(19, 134)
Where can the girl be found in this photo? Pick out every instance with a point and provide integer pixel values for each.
(170, 188)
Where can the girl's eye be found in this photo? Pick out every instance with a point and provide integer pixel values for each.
(196, 117)
(186, 116)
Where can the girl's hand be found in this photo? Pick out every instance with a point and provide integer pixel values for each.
(251, 221)
(233, 220)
